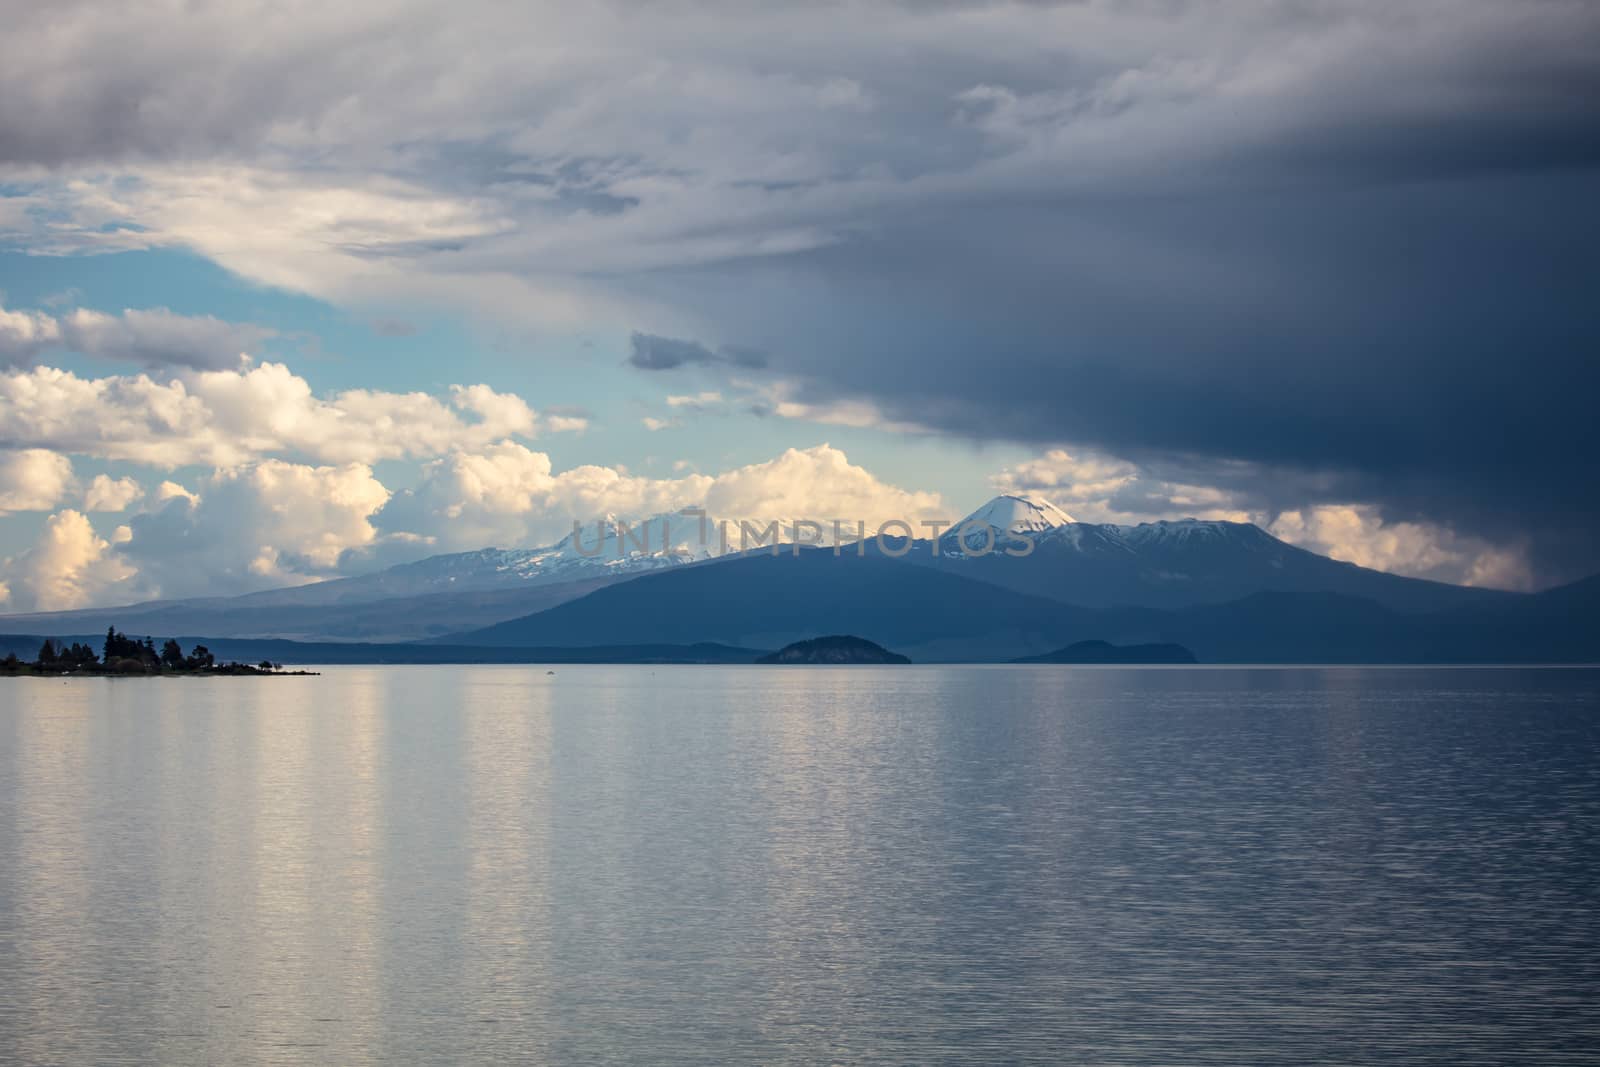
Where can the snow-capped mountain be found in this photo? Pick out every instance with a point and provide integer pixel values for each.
(1012, 513)
(611, 546)
(998, 524)
(1166, 564)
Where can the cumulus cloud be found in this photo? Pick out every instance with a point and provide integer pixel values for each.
(256, 526)
(509, 495)
(111, 494)
(169, 490)
(817, 483)
(1358, 534)
(565, 418)
(70, 566)
(33, 479)
(228, 417)
(153, 337)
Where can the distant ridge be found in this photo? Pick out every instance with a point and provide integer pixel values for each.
(835, 649)
(1091, 652)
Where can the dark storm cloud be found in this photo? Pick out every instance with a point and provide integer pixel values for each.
(1376, 287)
(1432, 347)
(649, 352)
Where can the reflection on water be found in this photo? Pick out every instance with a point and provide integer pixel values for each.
(690, 865)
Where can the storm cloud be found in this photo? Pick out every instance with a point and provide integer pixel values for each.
(649, 352)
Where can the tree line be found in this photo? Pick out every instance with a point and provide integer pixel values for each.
(121, 654)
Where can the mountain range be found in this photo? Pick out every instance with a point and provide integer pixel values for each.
(1016, 578)
(1164, 564)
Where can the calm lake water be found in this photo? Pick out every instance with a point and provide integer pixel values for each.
(787, 865)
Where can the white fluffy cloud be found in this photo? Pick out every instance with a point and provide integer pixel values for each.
(228, 417)
(154, 337)
(1358, 534)
(509, 495)
(170, 490)
(70, 566)
(817, 483)
(106, 493)
(266, 524)
(33, 479)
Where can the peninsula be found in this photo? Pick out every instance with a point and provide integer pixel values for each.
(122, 655)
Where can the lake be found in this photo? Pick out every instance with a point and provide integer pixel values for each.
(803, 865)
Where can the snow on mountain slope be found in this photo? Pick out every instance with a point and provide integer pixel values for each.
(1172, 564)
(609, 546)
(1088, 539)
(1192, 532)
(1010, 513)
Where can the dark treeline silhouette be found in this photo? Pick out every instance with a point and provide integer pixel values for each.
(122, 654)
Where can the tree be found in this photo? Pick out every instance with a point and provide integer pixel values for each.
(200, 659)
(79, 655)
(172, 655)
(121, 646)
(47, 654)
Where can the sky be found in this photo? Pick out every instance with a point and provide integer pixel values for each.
(296, 290)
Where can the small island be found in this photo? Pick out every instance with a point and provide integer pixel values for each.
(835, 649)
(122, 655)
(1103, 652)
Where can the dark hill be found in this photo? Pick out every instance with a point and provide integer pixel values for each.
(769, 601)
(840, 648)
(1104, 652)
